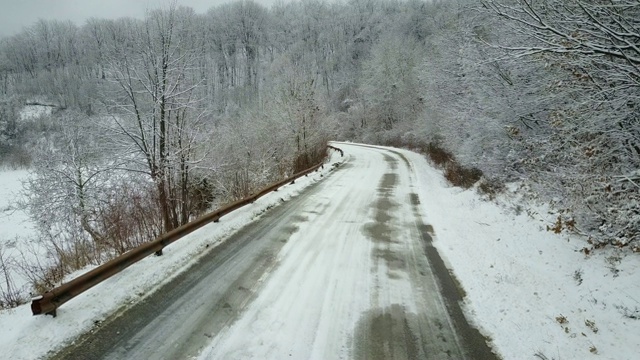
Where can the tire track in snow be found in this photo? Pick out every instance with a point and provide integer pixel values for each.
(407, 327)
(442, 330)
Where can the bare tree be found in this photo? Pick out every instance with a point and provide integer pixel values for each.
(390, 82)
(10, 295)
(65, 189)
(157, 112)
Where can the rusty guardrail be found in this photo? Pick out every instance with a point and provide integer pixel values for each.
(336, 149)
(49, 302)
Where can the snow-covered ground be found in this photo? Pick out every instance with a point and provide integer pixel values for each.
(13, 222)
(16, 229)
(29, 112)
(531, 291)
(353, 281)
(23, 336)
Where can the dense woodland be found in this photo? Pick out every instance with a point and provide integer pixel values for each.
(156, 120)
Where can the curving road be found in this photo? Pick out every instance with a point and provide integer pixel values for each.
(344, 271)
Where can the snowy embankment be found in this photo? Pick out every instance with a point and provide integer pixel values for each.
(533, 292)
(23, 336)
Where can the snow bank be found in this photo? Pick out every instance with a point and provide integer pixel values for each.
(532, 291)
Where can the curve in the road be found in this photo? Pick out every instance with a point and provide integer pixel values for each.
(345, 270)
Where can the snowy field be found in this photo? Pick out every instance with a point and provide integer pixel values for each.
(29, 112)
(16, 230)
(532, 292)
(17, 233)
(13, 222)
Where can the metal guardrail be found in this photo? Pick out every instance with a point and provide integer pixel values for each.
(336, 149)
(48, 302)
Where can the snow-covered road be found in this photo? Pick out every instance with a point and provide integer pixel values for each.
(343, 271)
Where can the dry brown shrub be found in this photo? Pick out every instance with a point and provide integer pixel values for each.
(439, 155)
(461, 176)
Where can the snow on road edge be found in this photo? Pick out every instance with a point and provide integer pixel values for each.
(531, 291)
(23, 336)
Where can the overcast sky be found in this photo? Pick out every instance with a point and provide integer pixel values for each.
(16, 14)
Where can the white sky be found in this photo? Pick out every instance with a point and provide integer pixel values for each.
(16, 14)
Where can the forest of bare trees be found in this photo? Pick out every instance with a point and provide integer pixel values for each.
(158, 119)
